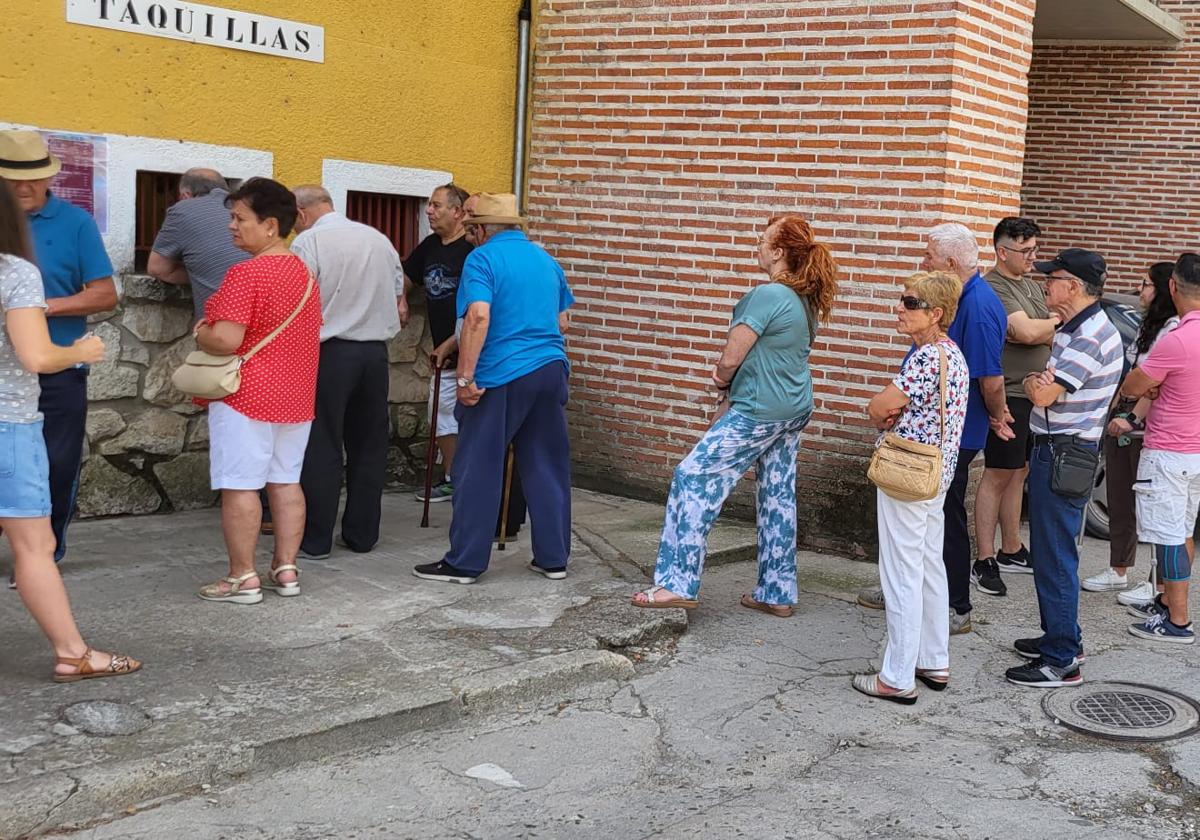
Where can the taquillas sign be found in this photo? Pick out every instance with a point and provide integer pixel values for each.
(203, 25)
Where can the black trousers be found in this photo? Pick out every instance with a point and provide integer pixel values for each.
(956, 544)
(350, 436)
(64, 404)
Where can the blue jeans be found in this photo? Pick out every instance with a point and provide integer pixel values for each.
(1054, 524)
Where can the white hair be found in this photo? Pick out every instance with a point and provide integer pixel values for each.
(956, 241)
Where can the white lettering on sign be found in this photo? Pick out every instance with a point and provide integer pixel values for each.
(203, 25)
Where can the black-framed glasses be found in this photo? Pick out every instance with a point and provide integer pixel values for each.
(913, 303)
(1024, 252)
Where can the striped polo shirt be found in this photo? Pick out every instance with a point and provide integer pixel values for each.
(1087, 357)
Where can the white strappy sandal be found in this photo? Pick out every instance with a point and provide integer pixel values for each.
(235, 594)
(284, 590)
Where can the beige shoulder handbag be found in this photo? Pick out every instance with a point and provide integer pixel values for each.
(213, 377)
(909, 471)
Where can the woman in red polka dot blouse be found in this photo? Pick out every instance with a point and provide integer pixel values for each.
(258, 435)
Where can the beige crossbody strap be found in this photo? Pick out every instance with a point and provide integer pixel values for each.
(312, 281)
(942, 387)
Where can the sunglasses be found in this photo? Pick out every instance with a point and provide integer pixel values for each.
(912, 303)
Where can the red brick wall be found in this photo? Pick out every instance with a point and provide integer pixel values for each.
(665, 133)
(1114, 149)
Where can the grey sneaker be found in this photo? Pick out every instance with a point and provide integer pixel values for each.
(871, 598)
(959, 624)
(443, 492)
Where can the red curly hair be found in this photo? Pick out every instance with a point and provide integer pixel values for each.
(811, 270)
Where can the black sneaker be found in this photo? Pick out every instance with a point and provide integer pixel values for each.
(1041, 674)
(1030, 649)
(1147, 611)
(442, 571)
(985, 574)
(1018, 562)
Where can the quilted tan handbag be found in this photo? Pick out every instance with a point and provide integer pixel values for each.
(909, 471)
(213, 377)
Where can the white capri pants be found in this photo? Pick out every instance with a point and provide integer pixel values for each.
(915, 593)
(246, 454)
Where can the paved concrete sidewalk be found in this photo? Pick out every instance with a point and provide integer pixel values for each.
(367, 651)
(746, 727)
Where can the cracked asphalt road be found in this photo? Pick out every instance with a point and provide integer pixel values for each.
(746, 727)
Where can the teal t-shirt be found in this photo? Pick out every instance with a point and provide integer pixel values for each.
(774, 383)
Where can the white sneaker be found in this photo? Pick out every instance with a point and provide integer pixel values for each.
(1106, 581)
(1139, 595)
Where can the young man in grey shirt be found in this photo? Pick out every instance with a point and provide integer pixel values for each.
(194, 244)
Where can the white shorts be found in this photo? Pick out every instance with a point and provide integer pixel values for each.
(247, 454)
(1167, 492)
(447, 399)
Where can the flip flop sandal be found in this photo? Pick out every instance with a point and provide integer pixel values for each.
(777, 610)
(284, 590)
(118, 667)
(936, 679)
(868, 684)
(234, 594)
(652, 604)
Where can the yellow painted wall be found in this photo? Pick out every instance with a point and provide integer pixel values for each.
(420, 83)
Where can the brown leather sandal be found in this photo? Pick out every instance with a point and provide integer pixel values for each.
(118, 667)
(777, 610)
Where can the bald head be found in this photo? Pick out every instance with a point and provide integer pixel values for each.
(200, 181)
(313, 201)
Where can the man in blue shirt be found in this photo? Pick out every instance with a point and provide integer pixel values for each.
(512, 388)
(77, 277)
(978, 329)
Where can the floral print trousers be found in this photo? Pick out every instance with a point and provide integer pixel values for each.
(702, 483)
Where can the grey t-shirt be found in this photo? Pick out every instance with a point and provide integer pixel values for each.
(196, 233)
(20, 288)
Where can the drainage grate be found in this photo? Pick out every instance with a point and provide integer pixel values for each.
(1121, 711)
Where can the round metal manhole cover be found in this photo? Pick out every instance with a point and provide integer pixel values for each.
(1120, 711)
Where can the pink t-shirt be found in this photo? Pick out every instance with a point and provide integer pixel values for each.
(1174, 421)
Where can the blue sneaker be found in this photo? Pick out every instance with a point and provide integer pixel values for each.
(1148, 610)
(1159, 629)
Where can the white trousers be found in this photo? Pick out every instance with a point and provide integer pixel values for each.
(915, 594)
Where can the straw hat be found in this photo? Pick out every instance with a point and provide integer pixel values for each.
(496, 209)
(24, 156)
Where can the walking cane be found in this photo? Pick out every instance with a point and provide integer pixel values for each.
(508, 472)
(432, 448)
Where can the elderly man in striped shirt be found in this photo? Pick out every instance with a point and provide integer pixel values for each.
(1070, 400)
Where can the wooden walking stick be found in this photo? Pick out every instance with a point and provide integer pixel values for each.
(432, 448)
(502, 540)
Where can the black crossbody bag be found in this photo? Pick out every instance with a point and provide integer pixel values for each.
(1073, 470)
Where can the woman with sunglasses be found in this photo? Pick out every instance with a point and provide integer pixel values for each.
(25, 351)
(1123, 445)
(911, 571)
(766, 388)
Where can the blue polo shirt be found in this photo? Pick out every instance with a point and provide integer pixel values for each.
(526, 290)
(69, 253)
(979, 328)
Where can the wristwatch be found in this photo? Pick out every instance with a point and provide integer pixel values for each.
(463, 382)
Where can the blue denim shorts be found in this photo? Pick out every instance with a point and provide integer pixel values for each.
(24, 471)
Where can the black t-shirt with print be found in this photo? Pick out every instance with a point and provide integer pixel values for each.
(438, 266)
